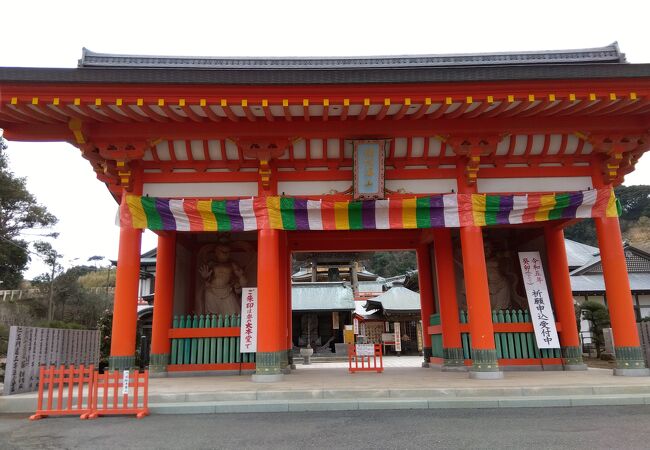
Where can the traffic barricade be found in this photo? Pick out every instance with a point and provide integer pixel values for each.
(365, 358)
(120, 392)
(64, 391)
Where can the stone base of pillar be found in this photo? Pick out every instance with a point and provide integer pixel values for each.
(454, 360)
(427, 353)
(632, 372)
(158, 362)
(257, 378)
(284, 362)
(444, 368)
(575, 367)
(121, 362)
(630, 362)
(485, 375)
(485, 365)
(572, 356)
(268, 366)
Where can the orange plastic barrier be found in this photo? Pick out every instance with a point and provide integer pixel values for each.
(115, 386)
(365, 363)
(62, 400)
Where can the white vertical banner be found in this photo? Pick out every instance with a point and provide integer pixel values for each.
(335, 320)
(539, 302)
(248, 331)
(125, 382)
(356, 326)
(398, 337)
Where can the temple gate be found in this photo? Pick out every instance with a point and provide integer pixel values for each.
(236, 163)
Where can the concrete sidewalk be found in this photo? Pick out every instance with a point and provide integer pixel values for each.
(329, 386)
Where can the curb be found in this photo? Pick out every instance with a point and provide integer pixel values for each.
(393, 404)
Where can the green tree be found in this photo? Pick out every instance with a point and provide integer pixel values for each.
(19, 212)
(598, 317)
(390, 264)
(51, 258)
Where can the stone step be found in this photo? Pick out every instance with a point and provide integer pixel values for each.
(329, 394)
(353, 404)
(349, 399)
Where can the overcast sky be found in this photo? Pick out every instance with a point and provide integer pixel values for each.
(52, 33)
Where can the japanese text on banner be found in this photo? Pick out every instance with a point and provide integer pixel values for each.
(539, 302)
(248, 331)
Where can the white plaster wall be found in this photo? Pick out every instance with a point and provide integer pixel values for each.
(425, 186)
(644, 304)
(239, 189)
(548, 184)
(312, 187)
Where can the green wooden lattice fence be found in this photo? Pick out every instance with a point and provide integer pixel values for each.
(210, 350)
(508, 345)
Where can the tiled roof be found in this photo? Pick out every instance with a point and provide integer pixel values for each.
(608, 54)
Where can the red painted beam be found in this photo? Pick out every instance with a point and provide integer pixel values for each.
(368, 128)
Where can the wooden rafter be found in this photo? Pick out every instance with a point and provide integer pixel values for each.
(247, 111)
(364, 109)
(128, 110)
(189, 112)
(461, 109)
(210, 114)
(345, 110)
(584, 104)
(88, 111)
(441, 109)
(480, 109)
(286, 110)
(384, 110)
(422, 110)
(108, 111)
(28, 112)
(267, 110)
(406, 104)
(523, 106)
(228, 111)
(148, 110)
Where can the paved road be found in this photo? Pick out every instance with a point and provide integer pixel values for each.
(592, 428)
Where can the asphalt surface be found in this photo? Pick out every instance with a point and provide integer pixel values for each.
(618, 427)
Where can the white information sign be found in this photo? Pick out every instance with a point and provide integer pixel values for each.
(335, 320)
(398, 337)
(365, 349)
(539, 302)
(356, 325)
(125, 382)
(248, 331)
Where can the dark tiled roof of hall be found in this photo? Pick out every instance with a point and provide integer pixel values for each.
(608, 54)
(593, 63)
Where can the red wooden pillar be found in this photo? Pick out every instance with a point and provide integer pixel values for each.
(484, 355)
(289, 309)
(558, 268)
(163, 301)
(284, 298)
(271, 342)
(452, 347)
(629, 356)
(125, 304)
(426, 297)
